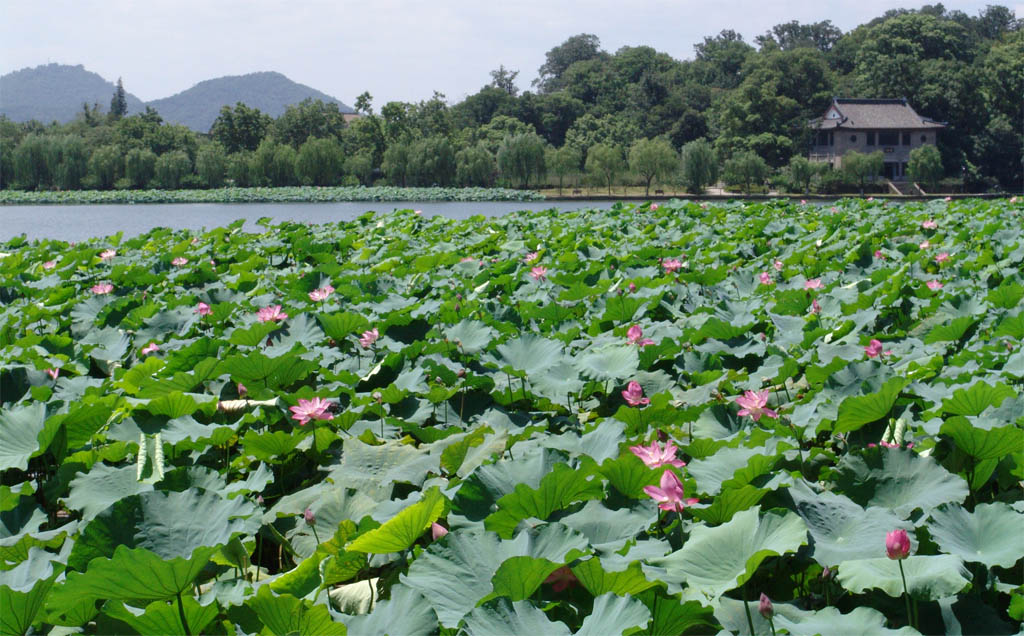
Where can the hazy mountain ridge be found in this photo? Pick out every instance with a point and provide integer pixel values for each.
(56, 92)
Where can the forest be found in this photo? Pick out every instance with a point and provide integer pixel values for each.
(738, 112)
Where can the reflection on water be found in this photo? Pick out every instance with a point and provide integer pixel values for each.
(79, 222)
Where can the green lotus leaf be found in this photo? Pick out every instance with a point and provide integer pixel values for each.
(670, 616)
(519, 577)
(256, 369)
(161, 617)
(373, 470)
(898, 479)
(557, 490)
(856, 411)
(488, 483)
(23, 591)
(470, 336)
(406, 612)
(133, 574)
(716, 560)
(171, 321)
(990, 535)
(341, 325)
(728, 502)
(614, 615)
(283, 615)
(501, 617)
(95, 491)
(252, 336)
(609, 530)
(629, 475)
(1011, 326)
(400, 532)
(862, 621)
(841, 529)
(598, 581)
(713, 471)
(952, 331)
(982, 444)
(20, 428)
(529, 353)
(928, 577)
(613, 363)
(976, 398)
(600, 444)
(271, 447)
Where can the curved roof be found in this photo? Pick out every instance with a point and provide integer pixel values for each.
(860, 114)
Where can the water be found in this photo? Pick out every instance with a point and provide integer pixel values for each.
(80, 222)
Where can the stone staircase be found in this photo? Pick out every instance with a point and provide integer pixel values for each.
(905, 188)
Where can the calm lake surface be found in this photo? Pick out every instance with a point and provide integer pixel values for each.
(79, 222)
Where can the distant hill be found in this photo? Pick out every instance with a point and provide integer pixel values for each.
(56, 92)
(270, 92)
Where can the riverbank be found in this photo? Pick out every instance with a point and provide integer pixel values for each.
(296, 194)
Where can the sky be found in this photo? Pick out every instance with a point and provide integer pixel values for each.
(397, 50)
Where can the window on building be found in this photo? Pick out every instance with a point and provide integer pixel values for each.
(888, 138)
(924, 139)
(853, 139)
(906, 139)
(871, 138)
(831, 139)
(823, 138)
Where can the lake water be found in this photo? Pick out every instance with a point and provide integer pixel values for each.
(79, 222)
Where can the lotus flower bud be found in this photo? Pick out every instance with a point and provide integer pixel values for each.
(764, 607)
(309, 517)
(437, 531)
(897, 544)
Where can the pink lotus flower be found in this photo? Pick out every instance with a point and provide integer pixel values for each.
(102, 288)
(203, 309)
(879, 255)
(272, 313)
(948, 199)
(934, 285)
(49, 264)
(754, 404)
(531, 256)
(321, 294)
(766, 278)
(929, 224)
(179, 261)
(803, 201)
(634, 394)
(53, 372)
(871, 198)
(315, 409)
(941, 257)
(765, 607)
(106, 255)
(562, 579)
(150, 348)
(309, 517)
(670, 496)
(417, 212)
(632, 287)
(654, 206)
(777, 264)
(814, 283)
(437, 531)
(539, 272)
(671, 265)
(654, 456)
(815, 307)
(897, 545)
(924, 244)
(1013, 199)
(873, 349)
(635, 335)
(369, 337)
(242, 391)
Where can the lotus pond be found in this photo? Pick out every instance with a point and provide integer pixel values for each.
(766, 417)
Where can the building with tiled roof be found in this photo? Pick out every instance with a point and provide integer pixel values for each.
(867, 125)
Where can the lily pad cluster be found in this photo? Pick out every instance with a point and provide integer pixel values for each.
(645, 420)
(290, 194)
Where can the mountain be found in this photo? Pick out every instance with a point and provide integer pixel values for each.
(270, 92)
(56, 92)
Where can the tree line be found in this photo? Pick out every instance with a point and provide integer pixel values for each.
(737, 112)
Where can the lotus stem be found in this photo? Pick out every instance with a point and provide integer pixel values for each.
(181, 615)
(746, 608)
(906, 596)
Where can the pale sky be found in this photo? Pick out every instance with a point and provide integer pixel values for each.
(395, 49)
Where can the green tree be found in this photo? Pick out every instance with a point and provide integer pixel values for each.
(505, 80)
(609, 130)
(309, 118)
(604, 164)
(925, 165)
(171, 169)
(432, 162)
(746, 168)
(720, 59)
(105, 165)
(238, 170)
(273, 164)
(319, 162)
(360, 165)
(74, 162)
(119, 102)
(139, 167)
(653, 159)
(699, 165)
(801, 171)
(31, 168)
(396, 163)
(212, 165)
(474, 166)
(522, 157)
(240, 128)
(562, 162)
(578, 48)
(861, 168)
